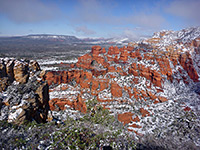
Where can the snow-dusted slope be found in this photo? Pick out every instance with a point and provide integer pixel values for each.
(167, 37)
(149, 86)
(47, 36)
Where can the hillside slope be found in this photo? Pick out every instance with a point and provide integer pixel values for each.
(148, 91)
(147, 85)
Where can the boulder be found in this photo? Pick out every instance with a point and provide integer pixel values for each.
(124, 56)
(98, 59)
(103, 84)
(21, 73)
(84, 61)
(103, 50)
(136, 54)
(27, 99)
(113, 50)
(116, 90)
(125, 118)
(96, 50)
(25, 104)
(34, 66)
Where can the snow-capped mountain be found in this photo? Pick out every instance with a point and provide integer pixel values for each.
(48, 36)
(56, 38)
(66, 39)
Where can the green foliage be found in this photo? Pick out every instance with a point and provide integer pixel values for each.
(97, 114)
(91, 104)
(92, 131)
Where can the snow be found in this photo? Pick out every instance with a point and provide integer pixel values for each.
(47, 37)
(54, 61)
(174, 37)
(3, 95)
(64, 94)
(48, 68)
(23, 102)
(13, 116)
(168, 88)
(105, 94)
(163, 113)
(20, 62)
(70, 93)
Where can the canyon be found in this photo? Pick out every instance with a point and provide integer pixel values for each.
(146, 85)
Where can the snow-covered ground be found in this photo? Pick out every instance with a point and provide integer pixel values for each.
(51, 63)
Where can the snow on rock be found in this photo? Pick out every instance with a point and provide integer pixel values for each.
(149, 83)
(23, 91)
(14, 115)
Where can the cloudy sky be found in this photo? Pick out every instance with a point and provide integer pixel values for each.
(96, 18)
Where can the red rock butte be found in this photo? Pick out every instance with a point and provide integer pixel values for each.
(123, 78)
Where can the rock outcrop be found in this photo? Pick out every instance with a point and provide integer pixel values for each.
(18, 70)
(151, 87)
(132, 82)
(24, 93)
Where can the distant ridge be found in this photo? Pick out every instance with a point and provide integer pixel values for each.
(66, 39)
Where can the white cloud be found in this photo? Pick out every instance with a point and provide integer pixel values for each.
(133, 34)
(102, 13)
(28, 10)
(147, 20)
(84, 30)
(187, 9)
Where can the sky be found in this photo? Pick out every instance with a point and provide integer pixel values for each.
(97, 18)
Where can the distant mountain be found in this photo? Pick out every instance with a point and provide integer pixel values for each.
(49, 37)
(64, 39)
(42, 38)
(150, 86)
